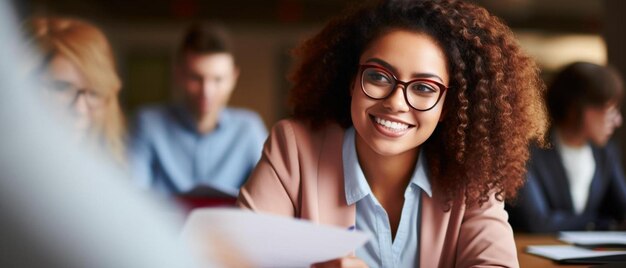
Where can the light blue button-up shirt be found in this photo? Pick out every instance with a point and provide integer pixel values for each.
(168, 153)
(371, 217)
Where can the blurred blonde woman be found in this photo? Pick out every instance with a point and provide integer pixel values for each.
(80, 73)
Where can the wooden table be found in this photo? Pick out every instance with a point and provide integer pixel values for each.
(530, 261)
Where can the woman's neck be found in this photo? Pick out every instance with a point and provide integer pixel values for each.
(386, 175)
(570, 136)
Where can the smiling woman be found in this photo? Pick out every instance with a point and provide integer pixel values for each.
(411, 122)
(396, 123)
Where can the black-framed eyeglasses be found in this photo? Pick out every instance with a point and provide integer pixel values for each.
(67, 94)
(421, 94)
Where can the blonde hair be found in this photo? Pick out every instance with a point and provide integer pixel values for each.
(87, 47)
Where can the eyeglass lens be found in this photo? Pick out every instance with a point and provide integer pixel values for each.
(421, 94)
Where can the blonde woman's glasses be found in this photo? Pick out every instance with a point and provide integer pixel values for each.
(68, 94)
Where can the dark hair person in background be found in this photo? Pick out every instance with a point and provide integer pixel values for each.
(79, 73)
(198, 140)
(578, 182)
(412, 123)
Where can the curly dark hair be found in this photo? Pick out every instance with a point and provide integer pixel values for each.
(492, 110)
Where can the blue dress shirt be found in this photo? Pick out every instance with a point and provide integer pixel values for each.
(168, 153)
(371, 217)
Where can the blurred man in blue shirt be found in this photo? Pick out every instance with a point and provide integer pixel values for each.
(198, 141)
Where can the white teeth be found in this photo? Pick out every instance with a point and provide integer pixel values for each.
(395, 126)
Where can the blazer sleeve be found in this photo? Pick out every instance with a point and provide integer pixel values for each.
(273, 184)
(534, 215)
(486, 238)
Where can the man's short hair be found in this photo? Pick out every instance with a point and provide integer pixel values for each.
(205, 38)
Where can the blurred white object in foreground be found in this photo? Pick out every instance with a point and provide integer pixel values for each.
(62, 204)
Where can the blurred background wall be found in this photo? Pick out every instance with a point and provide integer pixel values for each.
(145, 34)
(614, 31)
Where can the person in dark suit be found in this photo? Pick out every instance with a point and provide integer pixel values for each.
(576, 182)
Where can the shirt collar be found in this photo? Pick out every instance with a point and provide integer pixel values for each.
(188, 121)
(356, 186)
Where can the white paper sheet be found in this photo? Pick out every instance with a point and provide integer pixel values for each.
(598, 238)
(267, 240)
(565, 252)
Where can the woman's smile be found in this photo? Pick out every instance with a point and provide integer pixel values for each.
(390, 127)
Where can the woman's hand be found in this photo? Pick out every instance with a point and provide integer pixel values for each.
(345, 262)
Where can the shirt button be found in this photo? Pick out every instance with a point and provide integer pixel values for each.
(410, 189)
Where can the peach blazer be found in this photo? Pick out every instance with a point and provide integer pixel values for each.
(300, 175)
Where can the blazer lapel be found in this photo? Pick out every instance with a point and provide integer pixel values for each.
(432, 237)
(598, 182)
(555, 179)
(332, 205)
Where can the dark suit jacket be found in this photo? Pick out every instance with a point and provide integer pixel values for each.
(544, 204)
